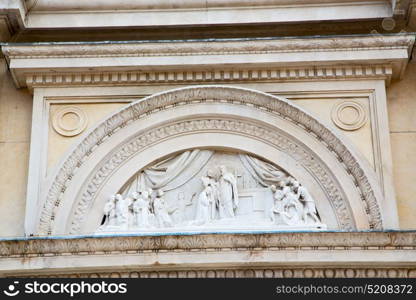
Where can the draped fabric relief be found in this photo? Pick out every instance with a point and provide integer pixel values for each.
(265, 173)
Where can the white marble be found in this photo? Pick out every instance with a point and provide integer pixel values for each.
(241, 195)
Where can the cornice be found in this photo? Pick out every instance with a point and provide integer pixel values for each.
(11, 18)
(30, 63)
(323, 254)
(78, 14)
(218, 76)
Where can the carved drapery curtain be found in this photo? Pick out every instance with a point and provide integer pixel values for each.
(265, 173)
(165, 174)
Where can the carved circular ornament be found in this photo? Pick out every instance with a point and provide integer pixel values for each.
(349, 115)
(69, 121)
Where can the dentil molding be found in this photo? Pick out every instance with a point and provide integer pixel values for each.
(244, 272)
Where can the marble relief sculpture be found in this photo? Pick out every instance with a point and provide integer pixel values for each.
(211, 190)
(207, 202)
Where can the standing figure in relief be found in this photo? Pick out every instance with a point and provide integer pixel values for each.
(110, 212)
(141, 209)
(309, 207)
(206, 203)
(228, 195)
(122, 211)
(161, 211)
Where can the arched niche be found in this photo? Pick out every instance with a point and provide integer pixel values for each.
(216, 117)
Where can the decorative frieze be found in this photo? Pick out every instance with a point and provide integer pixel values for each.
(124, 152)
(349, 115)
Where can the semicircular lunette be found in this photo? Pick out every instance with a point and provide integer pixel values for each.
(209, 190)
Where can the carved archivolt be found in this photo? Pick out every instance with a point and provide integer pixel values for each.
(281, 108)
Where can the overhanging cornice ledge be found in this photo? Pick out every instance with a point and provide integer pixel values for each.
(273, 54)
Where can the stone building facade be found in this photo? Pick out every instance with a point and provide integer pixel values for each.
(231, 138)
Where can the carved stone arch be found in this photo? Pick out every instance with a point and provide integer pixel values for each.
(211, 116)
